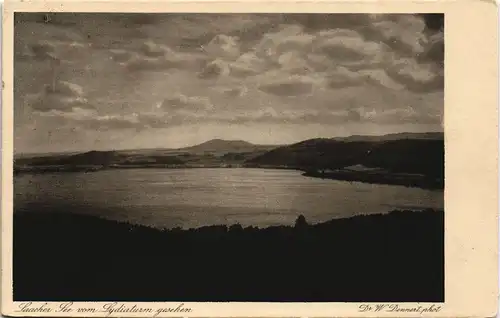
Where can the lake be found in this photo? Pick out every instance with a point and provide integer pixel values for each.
(189, 198)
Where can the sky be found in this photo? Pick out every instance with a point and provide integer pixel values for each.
(100, 81)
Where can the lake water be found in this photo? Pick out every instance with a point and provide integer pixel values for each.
(198, 197)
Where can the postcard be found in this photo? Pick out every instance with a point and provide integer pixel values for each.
(250, 159)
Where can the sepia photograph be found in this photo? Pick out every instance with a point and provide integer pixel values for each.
(232, 157)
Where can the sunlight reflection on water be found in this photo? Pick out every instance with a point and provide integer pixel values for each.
(197, 197)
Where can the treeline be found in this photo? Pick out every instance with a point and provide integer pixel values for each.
(396, 257)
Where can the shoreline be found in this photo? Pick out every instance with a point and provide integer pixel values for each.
(395, 179)
(409, 181)
(228, 226)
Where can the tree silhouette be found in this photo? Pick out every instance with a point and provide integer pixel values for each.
(301, 222)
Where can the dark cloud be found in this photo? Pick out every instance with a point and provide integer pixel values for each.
(340, 52)
(321, 21)
(256, 25)
(353, 115)
(163, 62)
(151, 56)
(249, 64)
(120, 56)
(239, 69)
(433, 21)
(138, 19)
(404, 33)
(417, 78)
(55, 102)
(434, 51)
(288, 88)
(150, 49)
(232, 91)
(344, 77)
(242, 72)
(223, 46)
(182, 102)
(63, 96)
(214, 69)
(43, 51)
(137, 64)
(252, 32)
(342, 81)
(433, 84)
(55, 52)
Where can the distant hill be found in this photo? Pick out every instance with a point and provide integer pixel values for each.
(43, 154)
(404, 153)
(226, 146)
(396, 136)
(99, 158)
(92, 158)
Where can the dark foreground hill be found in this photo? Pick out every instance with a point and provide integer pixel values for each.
(398, 257)
(411, 154)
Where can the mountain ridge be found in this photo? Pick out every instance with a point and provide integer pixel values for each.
(395, 156)
(402, 135)
(226, 145)
(394, 136)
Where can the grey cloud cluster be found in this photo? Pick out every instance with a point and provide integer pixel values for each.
(417, 78)
(305, 44)
(388, 50)
(90, 119)
(41, 51)
(172, 111)
(237, 91)
(214, 69)
(289, 87)
(150, 56)
(54, 51)
(63, 97)
(406, 33)
(332, 52)
(358, 115)
(182, 102)
(280, 55)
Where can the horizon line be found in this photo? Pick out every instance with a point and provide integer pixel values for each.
(221, 139)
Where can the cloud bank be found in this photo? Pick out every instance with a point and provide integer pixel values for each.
(115, 72)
